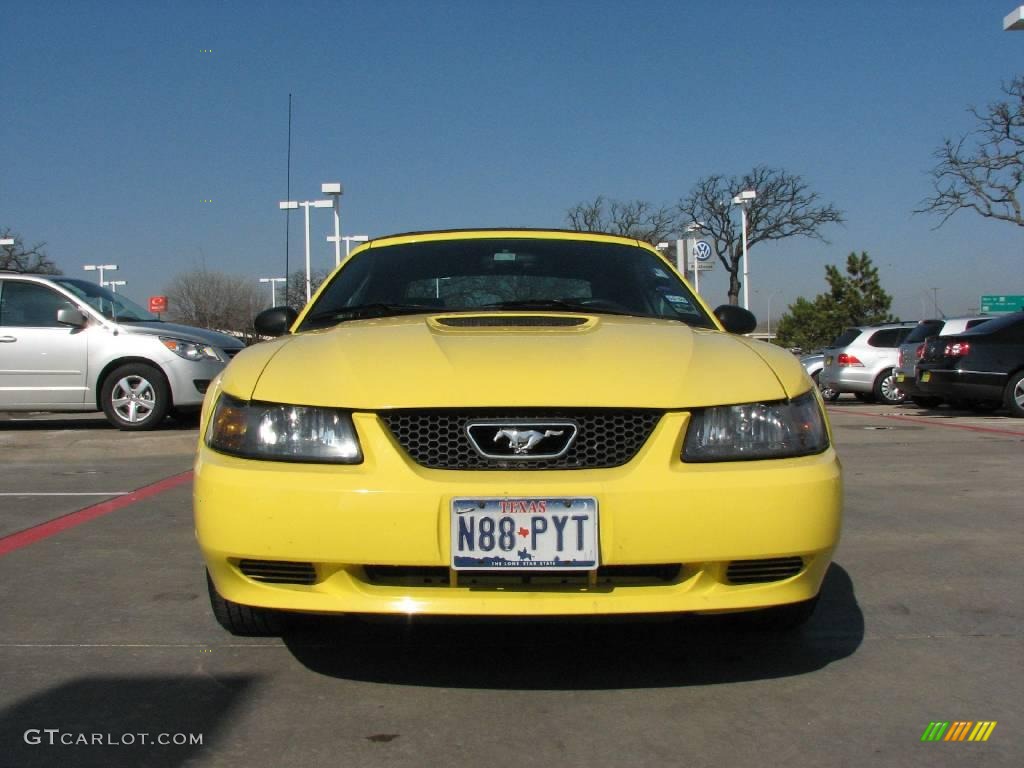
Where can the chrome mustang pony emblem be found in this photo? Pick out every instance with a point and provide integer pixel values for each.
(522, 440)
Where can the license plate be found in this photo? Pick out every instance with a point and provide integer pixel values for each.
(535, 532)
(926, 376)
(828, 361)
(900, 378)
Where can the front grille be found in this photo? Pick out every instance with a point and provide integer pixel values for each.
(437, 438)
(506, 321)
(278, 571)
(762, 571)
(607, 576)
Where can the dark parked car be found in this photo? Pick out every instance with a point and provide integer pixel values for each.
(912, 349)
(983, 366)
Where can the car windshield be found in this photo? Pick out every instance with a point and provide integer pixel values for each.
(490, 274)
(111, 305)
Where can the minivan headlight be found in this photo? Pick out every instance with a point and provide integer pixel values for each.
(189, 349)
(773, 430)
(278, 432)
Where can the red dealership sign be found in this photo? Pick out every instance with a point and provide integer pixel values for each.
(158, 304)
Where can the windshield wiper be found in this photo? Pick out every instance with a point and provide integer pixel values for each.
(595, 308)
(363, 311)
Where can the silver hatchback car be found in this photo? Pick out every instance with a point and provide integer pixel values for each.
(862, 360)
(72, 345)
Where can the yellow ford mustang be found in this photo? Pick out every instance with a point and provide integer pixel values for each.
(512, 423)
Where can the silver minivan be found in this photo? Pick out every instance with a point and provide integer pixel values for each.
(72, 345)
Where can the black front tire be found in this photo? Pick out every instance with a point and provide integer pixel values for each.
(1014, 397)
(243, 620)
(828, 394)
(135, 396)
(886, 391)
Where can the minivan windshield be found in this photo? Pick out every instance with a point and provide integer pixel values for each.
(112, 306)
(493, 274)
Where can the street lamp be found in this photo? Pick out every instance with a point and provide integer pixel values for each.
(7, 241)
(335, 190)
(1014, 21)
(741, 200)
(100, 268)
(307, 204)
(273, 288)
(114, 283)
(349, 239)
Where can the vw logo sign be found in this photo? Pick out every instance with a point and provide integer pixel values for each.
(702, 250)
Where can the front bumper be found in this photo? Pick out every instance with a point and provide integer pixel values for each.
(388, 511)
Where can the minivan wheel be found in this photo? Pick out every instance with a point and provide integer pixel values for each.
(1014, 399)
(135, 396)
(886, 391)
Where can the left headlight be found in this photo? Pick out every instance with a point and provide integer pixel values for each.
(773, 430)
(278, 432)
(189, 349)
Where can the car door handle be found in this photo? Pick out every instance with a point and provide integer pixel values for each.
(7, 339)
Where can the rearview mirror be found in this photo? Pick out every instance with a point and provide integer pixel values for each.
(736, 319)
(275, 321)
(71, 316)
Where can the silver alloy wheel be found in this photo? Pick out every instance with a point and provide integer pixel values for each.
(133, 399)
(1018, 394)
(890, 392)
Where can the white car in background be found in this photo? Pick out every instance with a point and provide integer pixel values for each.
(72, 345)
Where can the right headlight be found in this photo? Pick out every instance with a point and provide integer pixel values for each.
(279, 432)
(773, 430)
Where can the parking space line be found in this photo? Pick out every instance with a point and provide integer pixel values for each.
(55, 493)
(42, 531)
(920, 420)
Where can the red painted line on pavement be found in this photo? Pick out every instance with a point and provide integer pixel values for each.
(52, 527)
(930, 422)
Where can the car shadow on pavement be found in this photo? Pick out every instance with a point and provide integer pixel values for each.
(110, 721)
(23, 423)
(570, 654)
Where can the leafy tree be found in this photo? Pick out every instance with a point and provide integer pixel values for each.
(856, 298)
(983, 170)
(18, 258)
(784, 207)
(638, 219)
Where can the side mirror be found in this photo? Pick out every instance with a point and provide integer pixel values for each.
(71, 316)
(735, 319)
(275, 321)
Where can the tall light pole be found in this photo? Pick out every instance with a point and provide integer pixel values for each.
(273, 288)
(114, 283)
(349, 239)
(100, 268)
(1014, 21)
(335, 190)
(694, 226)
(741, 200)
(306, 204)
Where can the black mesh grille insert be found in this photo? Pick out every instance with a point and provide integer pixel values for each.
(505, 321)
(437, 438)
(761, 571)
(278, 571)
(607, 575)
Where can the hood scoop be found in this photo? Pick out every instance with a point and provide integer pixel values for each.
(510, 321)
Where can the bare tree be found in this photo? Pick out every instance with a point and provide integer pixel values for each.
(784, 207)
(214, 300)
(983, 170)
(18, 258)
(634, 218)
(295, 292)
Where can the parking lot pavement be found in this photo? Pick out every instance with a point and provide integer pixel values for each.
(106, 630)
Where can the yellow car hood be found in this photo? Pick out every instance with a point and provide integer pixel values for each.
(422, 361)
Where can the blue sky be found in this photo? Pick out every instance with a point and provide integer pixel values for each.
(459, 113)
